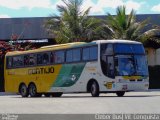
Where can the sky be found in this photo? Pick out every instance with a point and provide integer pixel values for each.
(45, 8)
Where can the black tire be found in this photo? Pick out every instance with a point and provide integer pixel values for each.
(94, 89)
(57, 94)
(47, 95)
(39, 94)
(120, 93)
(33, 90)
(23, 90)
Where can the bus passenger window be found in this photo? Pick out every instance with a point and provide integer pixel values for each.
(39, 59)
(85, 55)
(90, 53)
(42, 58)
(69, 56)
(93, 53)
(18, 61)
(9, 62)
(107, 49)
(59, 57)
(76, 55)
(52, 57)
(26, 60)
(45, 58)
(30, 59)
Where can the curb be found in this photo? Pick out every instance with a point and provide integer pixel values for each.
(5, 94)
(150, 90)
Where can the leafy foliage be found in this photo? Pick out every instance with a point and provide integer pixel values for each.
(74, 24)
(125, 26)
(14, 46)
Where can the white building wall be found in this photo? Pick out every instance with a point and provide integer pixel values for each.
(151, 56)
(158, 56)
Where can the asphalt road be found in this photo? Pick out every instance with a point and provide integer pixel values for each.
(132, 102)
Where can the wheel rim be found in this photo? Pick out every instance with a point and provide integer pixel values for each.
(32, 90)
(23, 90)
(93, 88)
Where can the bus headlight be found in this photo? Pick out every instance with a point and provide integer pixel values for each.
(119, 80)
(145, 80)
(146, 85)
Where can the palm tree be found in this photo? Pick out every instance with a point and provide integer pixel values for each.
(151, 38)
(125, 26)
(74, 24)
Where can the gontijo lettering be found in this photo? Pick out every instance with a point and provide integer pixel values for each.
(41, 70)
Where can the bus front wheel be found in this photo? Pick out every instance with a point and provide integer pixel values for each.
(33, 90)
(23, 90)
(120, 93)
(94, 89)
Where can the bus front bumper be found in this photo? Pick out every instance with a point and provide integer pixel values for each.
(135, 86)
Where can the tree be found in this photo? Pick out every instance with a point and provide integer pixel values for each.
(151, 38)
(125, 26)
(74, 24)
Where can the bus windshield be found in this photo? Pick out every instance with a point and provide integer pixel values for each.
(129, 65)
(126, 59)
(121, 48)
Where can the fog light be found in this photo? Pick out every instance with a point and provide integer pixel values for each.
(120, 80)
(146, 85)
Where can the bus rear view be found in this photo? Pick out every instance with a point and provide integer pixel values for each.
(125, 63)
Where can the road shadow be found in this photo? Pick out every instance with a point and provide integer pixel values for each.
(88, 96)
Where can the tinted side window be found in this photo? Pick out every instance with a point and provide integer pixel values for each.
(52, 57)
(85, 54)
(69, 56)
(9, 62)
(39, 59)
(107, 49)
(93, 53)
(76, 55)
(18, 61)
(59, 56)
(30, 60)
(73, 55)
(43, 58)
(90, 53)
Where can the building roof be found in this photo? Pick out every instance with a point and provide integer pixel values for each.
(25, 28)
(32, 28)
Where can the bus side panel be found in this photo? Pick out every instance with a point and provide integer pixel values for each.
(43, 77)
(69, 74)
(14, 77)
(46, 79)
(78, 77)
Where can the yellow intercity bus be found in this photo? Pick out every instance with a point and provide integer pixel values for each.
(113, 66)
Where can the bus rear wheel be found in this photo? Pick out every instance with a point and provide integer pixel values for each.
(120, 93)
(33, 90)
(57, 94)
(23, 90)
(94, 89)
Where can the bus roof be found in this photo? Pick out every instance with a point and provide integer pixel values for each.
(47, 48)
(63, 45)
(117, 41)
(70, 45)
